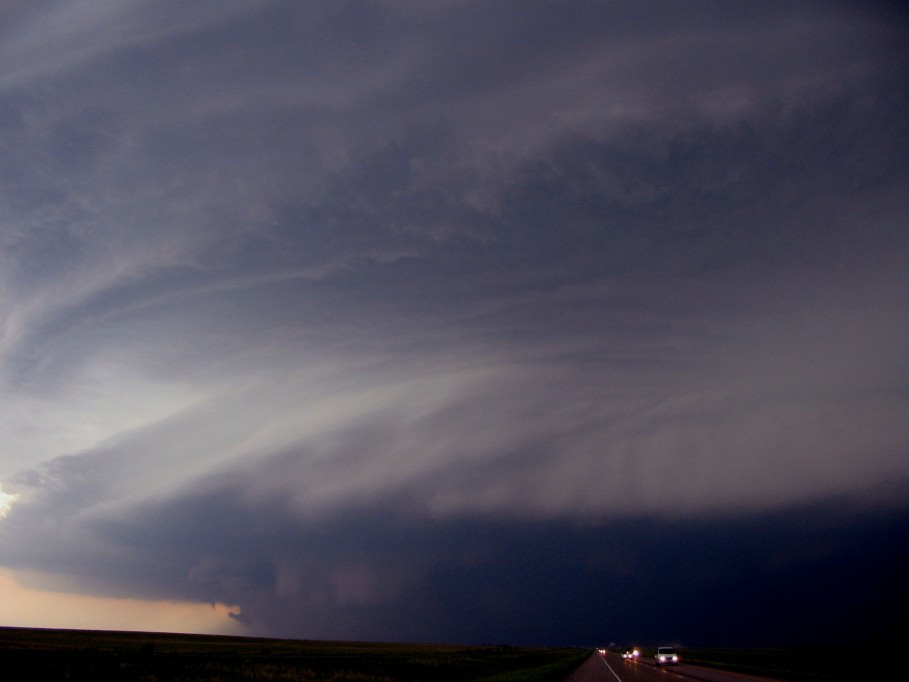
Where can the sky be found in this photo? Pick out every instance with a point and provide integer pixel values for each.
(515, 322)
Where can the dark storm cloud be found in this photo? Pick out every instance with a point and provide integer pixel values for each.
(334, 310)
(807, 575)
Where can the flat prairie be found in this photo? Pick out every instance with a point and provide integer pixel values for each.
(39, 654)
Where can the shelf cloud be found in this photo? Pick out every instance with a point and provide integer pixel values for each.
(403, 321)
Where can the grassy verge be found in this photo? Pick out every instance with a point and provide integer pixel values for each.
(795, 664)
(128, 656)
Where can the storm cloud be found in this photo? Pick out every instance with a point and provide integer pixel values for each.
(457, 321)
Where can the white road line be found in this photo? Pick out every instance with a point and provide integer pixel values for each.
(611, 670)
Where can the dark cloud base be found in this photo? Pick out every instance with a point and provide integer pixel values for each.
(826, 573)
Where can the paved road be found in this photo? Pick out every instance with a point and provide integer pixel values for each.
(611, 668)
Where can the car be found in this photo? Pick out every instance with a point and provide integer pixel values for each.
(627, 655)
(666, 655)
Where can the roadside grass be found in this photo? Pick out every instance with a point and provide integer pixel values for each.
(790, 664)
(36, 654)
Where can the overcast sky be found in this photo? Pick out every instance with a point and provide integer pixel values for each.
(515, 322)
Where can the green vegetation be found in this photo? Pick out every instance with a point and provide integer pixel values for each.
(31, 654)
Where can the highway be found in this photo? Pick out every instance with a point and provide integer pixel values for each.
(612, 668)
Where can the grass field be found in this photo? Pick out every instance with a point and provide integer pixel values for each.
(35, 654)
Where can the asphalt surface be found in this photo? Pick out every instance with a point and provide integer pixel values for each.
(612, 668)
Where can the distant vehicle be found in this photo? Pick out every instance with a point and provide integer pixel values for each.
(666, 655)
(601, 651)
(630, 654)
